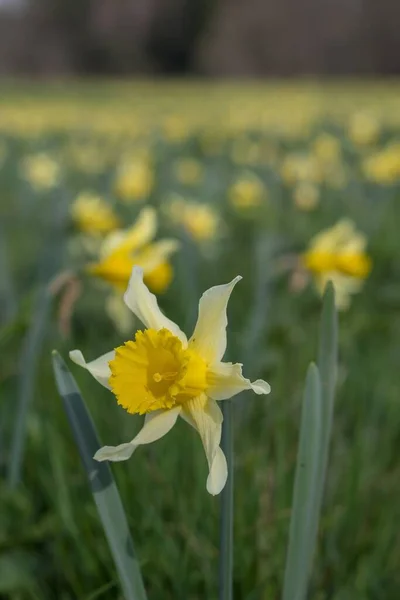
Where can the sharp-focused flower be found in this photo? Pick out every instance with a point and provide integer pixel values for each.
(338, 254)
(163, 375)
(41, 171)
(122, 249)
(92, 214)
(247, 192)
(134, 180)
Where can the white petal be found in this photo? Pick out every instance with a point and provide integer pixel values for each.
(218, 474)
(98, 368)
(209, 336)
(207, 418)
(226, 380)
(144, 305)
(156, 425)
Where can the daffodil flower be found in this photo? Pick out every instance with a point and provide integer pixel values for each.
(122, 249)
(338, 255)
(163, 375)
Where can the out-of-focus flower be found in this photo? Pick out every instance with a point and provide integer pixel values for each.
(338, 254)
(189, 171)
(41, 171)
(92, 214)
(174, 128)
(306, 195)
(134, 180)
(298, 166)
(122, 249)
(200, 220)
(163, 375)
(363, 128)
(247, 192)
(383, 166)
(327, 149)
(88, 158)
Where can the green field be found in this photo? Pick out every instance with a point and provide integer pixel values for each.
(244, 177)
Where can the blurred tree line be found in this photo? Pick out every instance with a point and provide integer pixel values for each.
(200, 37)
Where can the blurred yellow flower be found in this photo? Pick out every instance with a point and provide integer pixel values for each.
(247, 192)
(163, 375)
(338, 254)
(306, 195)
(299, 166)
(122, 249)
(327, 149)
(383, 166)
(92, 214)
(41, 171)
(189, 171)
(134, 180)
(364, 128)
(200, 220)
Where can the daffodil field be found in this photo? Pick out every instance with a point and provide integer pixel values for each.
(122, 205)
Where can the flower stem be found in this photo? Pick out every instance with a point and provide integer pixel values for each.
(226, 525)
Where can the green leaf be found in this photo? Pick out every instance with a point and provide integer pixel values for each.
(301, 546)
(102, 483)
(30, 355)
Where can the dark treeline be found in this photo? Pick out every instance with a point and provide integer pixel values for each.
(202, 37)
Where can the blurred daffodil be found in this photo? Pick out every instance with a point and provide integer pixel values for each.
(363, 128)
(338, 254)
(163, 375)
(92, 214)
(134, 180)
(247, 192)
(122, 249)
(384, 166)
(189, 171)
(306, 195)
(41, 171)
(201, 221)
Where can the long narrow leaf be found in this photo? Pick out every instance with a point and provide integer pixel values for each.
(301, 547)
(102, 483)
(29, 358)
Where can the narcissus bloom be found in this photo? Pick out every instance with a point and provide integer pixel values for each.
(41, 171)
(122, 249)
(163, 375)
(92, 214)
(338, 255)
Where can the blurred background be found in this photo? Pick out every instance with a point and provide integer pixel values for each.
(235, 38)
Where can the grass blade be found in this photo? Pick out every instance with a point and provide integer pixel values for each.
(30, 355)
(301, 546)
(226, 526)
(102, 483)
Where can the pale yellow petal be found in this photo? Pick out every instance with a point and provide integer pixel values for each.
(209, 336)
(144, 305)
(137, 236)
(156, 254)
(207, 418)
(218, 474)
(98, 368)
(226, 380)
(156, 425)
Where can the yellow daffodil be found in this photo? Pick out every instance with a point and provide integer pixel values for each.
(306, 195)
(122, 249)
(162, 375)
(363, 128)
(134, 180)
(200, 220)
(92, 214)
(189, 171)
(41, 171)
(298, 166)
(384, 166)
(338, 254)
(247, 192)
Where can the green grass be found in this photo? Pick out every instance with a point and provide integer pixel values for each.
(52, 545)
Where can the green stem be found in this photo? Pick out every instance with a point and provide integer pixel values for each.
(226, 525)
